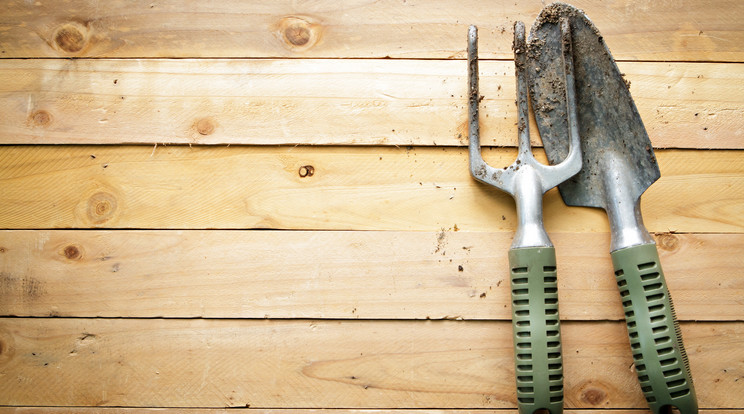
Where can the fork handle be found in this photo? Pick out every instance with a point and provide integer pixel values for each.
(536, 328)
(655, 339)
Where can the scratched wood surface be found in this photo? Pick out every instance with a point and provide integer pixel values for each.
(339, 275)
(309, 364)
(362, 102)
(310, 241)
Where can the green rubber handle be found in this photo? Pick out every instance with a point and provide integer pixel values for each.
(536, 328)
(655, 339)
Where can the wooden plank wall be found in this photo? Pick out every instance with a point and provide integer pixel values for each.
(267, 206)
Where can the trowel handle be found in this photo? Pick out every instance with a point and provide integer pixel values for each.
(536, 328)
(655, 339)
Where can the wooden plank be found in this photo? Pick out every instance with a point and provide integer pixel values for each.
(360, 102)
(339, 275)
(331, 188)
(314, 364)
(118, 410)
(634, 29)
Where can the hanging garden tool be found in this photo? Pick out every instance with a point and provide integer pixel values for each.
(537, 346)
(619, 165)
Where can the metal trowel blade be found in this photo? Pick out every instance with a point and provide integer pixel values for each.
(614, 142)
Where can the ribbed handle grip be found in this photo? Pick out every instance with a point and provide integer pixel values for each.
(536, 327)
(655, 339)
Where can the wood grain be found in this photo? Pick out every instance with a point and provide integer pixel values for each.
(634, 29)
(309, 364)
(338, 275)
(117, 410)
(348, 188)
(134, 277)
(355, 102)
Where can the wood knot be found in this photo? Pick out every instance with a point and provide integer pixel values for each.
(41, 118)
(72, 252)
(668, 242)
(101, 207)
(71, 37)
(593, 396)
(205, 126)
(306, 171)
(299, 33)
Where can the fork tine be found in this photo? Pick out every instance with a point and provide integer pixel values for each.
(476, 160)
(568, 73)
(473, 82)
(553, 175)
(520, 67)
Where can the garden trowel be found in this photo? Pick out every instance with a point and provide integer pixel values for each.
(618, 166)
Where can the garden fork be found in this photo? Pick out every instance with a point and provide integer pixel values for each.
(535, 321)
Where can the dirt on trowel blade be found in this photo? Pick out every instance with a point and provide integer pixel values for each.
(607, 116)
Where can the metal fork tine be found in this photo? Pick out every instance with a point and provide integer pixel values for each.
(473, 89)
(568, 73)
(478, 167)
(556, 174)
(520, 62)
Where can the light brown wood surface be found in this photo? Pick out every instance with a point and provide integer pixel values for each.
(313, 243)
(337, 275)
(685, 30)
(361, 102)
(118, 410)
(351, 188)
(308, 364)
